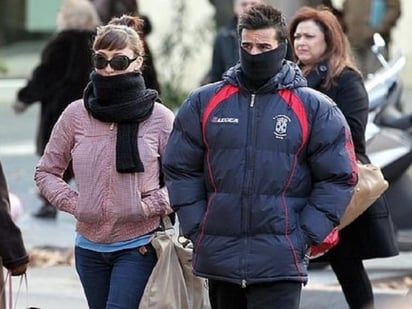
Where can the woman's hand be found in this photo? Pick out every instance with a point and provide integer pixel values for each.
(19, 107)
(19, 270)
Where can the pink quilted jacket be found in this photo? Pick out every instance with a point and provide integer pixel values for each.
(108, 205)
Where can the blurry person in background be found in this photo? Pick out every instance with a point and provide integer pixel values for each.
(226, 43)
(329, 4)
(115, 137)
(223, 12)
(108, 9)
(13, 255)
(324, 56)
(362, 19)
(61, 76)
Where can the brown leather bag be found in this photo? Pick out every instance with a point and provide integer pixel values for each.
(370, 187)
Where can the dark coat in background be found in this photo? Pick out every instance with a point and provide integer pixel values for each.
(107, 9)
(59, 79)
(372, 234)
(12, 250)
(225, 51)
(148, 69)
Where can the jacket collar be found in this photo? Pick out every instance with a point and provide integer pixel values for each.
(317, 76)
(289, 77)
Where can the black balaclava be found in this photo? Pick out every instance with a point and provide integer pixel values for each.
(259, 68)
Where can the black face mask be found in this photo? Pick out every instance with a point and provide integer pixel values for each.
(261, 67)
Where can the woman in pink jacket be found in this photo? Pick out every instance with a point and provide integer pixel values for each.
(115, 137)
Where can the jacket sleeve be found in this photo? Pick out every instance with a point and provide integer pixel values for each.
(12, 250)
(51, 166)
(332, 162)
(183, 168)
(352, 99)
(157, 201)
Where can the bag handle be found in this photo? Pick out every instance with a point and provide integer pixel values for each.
(23, 277)
(3, 289)
(8, 280)
(166, 223)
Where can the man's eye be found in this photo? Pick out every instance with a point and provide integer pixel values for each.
(265, 47)
(246, 46)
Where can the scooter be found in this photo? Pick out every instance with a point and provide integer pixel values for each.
(389, 139)
(385, 88)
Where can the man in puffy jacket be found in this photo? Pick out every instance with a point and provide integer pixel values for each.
(259, 168)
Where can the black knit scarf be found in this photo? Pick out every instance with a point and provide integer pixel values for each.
(122, 99)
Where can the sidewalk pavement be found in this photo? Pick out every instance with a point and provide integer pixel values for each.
(59, 286)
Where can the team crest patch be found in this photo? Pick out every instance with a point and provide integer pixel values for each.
(281, 126)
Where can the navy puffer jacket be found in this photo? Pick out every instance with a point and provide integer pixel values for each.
(256, 178)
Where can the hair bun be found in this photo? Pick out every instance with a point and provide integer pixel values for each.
(130, 21)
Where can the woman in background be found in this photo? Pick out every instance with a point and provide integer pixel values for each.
(323, 54)
(61, 76)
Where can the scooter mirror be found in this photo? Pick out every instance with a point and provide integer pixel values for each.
(378, 40)
(378, 48)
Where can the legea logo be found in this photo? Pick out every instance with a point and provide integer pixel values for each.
(225, 120)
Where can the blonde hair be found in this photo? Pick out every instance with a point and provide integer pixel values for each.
(77, 14)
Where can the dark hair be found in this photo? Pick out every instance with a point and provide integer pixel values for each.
(338, 54)
(264, 16)
(119, 33)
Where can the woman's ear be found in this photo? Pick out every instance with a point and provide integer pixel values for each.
(138, 63)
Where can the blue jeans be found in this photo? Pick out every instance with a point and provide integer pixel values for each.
(115, 279)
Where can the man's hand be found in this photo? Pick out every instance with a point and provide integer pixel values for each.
(19, 107)
(19, 270)
(328, 243)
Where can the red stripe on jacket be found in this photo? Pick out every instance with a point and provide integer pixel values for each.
(298, 108)
(223, 93)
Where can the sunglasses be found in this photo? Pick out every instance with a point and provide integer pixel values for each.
(118, 63)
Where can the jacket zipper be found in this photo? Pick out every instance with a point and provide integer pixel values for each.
(249, 179)
(252, 100)
(112, 126)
